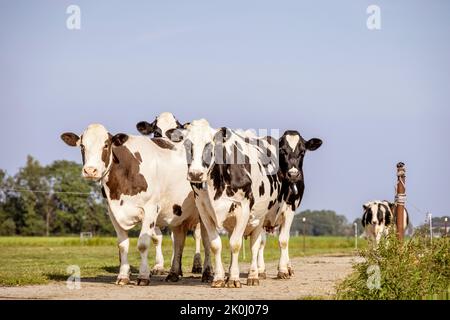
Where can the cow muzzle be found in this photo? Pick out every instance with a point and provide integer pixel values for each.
(196, 177)
(91, 173)
(294, 175)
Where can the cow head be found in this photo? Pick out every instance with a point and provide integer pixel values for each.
(159, 127)
(377, 213)
(292, 148)
(96, 150)
(200, 141)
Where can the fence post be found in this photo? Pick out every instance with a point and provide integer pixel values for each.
(304, 235)
(356, 235)
(445, 226)
(400, 199)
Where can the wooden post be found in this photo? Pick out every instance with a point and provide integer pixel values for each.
(400, 199)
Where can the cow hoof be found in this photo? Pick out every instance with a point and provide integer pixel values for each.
(197, 266)
(234, 284)
(207, 276)
(157, 272)
(291, 271)
(143, 282)
(197, 270)
(283, 275)
(253, 282)
(263, 275)
(173, 277)
(123, 281)
(218, 284)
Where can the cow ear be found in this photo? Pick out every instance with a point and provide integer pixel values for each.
(175, 135)
(119, 139)
(222, 135)
(71, 139)
(313, 144)
(146, 128)
(365, 206)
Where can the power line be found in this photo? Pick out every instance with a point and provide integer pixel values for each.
(46, 192)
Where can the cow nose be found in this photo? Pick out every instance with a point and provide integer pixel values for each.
(293, 175)
(195, 176)
(90, 171)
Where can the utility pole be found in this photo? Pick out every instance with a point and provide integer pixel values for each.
(400, 199)
(356, 235)
(304, 234)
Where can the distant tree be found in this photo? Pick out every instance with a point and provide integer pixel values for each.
(53, 199)
(319, 223)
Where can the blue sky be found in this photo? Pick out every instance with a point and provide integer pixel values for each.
(374, 97)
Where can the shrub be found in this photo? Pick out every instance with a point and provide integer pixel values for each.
(414, 270)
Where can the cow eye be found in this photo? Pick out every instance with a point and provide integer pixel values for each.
(106, 146)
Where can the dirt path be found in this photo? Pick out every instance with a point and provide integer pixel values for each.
(314, 276)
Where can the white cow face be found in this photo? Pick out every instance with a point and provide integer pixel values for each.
(95, 144)
(199, 142)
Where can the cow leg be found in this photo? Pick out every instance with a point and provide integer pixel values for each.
(197, 264)
(255, 243)
(123, 243)
(207, 275)
(261, 263)
(284, 268)
(242, 217)
(157, 238)
(147, 230)
(179, 238)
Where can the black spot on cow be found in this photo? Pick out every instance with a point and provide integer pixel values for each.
(271, 204)
(104, 193)
(261, 189)
(232, 208)
(121, 202)
(177, 210)
(152, 225)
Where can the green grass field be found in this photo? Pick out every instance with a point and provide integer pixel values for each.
(38, 260)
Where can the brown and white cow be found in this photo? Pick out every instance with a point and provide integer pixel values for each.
(378, 219)
(144, 181)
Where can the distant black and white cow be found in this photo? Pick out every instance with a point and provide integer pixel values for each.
(158, 128)
(143, 180)
(379, 217)
(227, 175)
(290, 178)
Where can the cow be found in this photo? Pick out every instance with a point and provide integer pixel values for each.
(230, 172)
(162, 123)
(158, 128)
(379, 217)
(292, 148)
(143, 181)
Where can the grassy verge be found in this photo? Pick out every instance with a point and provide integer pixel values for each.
(38, 260)
(413, 271)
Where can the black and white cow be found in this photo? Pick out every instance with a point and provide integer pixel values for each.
(158, 128)
(230, 172)
(143, 180)
(291, 186)
(379, 217)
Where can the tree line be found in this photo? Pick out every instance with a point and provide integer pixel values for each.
(55, 200)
